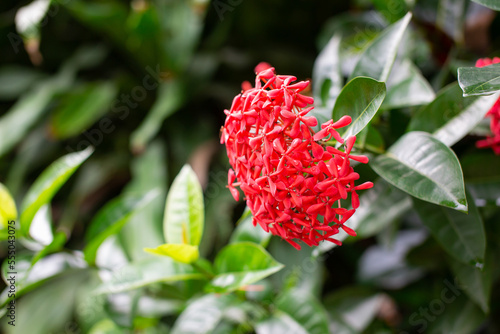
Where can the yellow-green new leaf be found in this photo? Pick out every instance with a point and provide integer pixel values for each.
(8, 209)
(179, 252)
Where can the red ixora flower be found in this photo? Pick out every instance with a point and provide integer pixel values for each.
(492, 141)
(293, 183)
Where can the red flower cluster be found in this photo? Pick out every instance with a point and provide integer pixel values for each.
(494, 113)
(293, 185)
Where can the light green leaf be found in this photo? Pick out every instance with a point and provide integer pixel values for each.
(245, 231)
(493, 4)
(407, 87)
(377, 59)
(241, 264)
(279, 322)
(48, 183)
(425, 168)
(204, 314)
(184, 211)
(81, 107)
(461, 235)
(360, 98)
(450, 116)
(170, 98)
(479, 80)
(476, 281)
(304, 309)
(179, 252)
(8, 209)
(148, 271)
(110, 219)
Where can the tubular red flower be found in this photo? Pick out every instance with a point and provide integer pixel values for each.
(291, 182)
(492, 141)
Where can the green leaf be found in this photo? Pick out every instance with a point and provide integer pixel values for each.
(279, 322)
(48, 183)
(110, 219)
(407, 87)
(8, 209)
(352, 309)
(245, 231)
(204, 314)
(148, 271)
(15, 80)
(327, 79)
(377, 59)
(476, 281)
(30, 276)
(171, 96)
(450, 116)
(493, 4)
(425, 168)
(81, 107)
(370, 139)
(461, 235)
(451, 18)
(184, 212)
(360, 98)
(40, 306)
(241, 264)
(479, 80)
(305, 310)
(179, 252)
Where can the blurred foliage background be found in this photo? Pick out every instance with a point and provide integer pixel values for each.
(145, 82)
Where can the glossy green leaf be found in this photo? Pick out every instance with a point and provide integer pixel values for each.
(8, 210)
(479, 80)
(48, 183)
(305, 310)
(425, 168)
(179, 252)
(245, 231)
(476, 281)
(360, 98)
(407, 87)
(170, 98)
(450, 116)
(81, 107)
(184, 211)
(327, 79)
(352, 309)
(377, 59)
(241, 264)
(461, 235)
(111, 218)
(204, 314)
(493, 4)
(148, 271)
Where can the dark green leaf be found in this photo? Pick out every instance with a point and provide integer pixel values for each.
(461, 235)
(425, 168)
(184, 212)
(377, 59)
(241, 264)
(148, 271)
(110, 219)
(48, 183)
(360, 98)
(450, 116)
(81, 107)
(479, 80)
(245, 231)
(493, 4)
